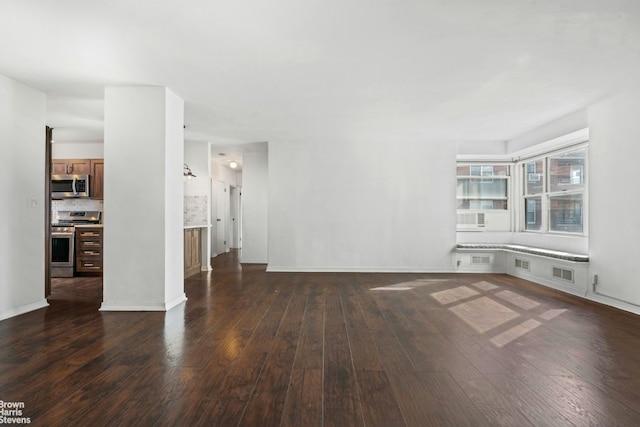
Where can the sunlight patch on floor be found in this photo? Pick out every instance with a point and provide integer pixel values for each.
(550, 314)
(516, 332)
(517, 300)
(485, 286)
(407, 286)
(480, 305)
(454, 295)
(484, 314)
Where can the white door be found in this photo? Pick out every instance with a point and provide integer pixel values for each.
(221, 224)
(235, 237)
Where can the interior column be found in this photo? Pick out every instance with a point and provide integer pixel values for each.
(143, 198)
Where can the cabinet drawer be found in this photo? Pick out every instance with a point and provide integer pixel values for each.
(91, 233)
(89, 244)
(89, 253)
(89, 265)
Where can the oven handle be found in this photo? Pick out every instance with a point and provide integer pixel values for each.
(62, 234)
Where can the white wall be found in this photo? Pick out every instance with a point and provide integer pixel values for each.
(614, 205)
(356, 206)
(22, 221)
(143, 237)
(564, 125)
(196, 156)
(77, 149)
(225, 174)
(255, 207)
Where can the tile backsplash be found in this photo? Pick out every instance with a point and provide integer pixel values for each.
(75, 205)
(195, 210)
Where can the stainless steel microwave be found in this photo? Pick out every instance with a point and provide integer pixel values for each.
(69, 186)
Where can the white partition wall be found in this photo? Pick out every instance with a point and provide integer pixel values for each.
(143, 189)
(22, 149)
(255, 207)
(361, 205)
(614, 205)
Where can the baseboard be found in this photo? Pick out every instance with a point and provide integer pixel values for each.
(283, 269)
(23, 309)
(143, 307)
(614, 302)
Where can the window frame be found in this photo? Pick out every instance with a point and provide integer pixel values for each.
(546, 194)
(487, 179)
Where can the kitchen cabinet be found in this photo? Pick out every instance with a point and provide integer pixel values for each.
(89, 249)
(97, 179)
(70, 166)
(192, 254)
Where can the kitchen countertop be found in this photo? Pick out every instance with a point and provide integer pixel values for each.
(88, 225)
(197, 226)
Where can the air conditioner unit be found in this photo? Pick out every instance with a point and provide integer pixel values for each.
(471, 220)
(483, 221)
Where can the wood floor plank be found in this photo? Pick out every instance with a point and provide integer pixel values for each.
(341, 394)
(379, 406)
(267, 401)
(303, 405)
(310, 350)
(532, 405)
(363, 350)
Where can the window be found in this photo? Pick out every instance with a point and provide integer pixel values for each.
(482, 187)
(554, 192)
(533, 207)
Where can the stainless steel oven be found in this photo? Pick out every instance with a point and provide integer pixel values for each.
(62, 242)
(62, 258)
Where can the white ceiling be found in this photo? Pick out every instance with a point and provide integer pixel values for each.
(249, 71)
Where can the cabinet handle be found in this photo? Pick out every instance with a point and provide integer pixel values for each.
(89, 234)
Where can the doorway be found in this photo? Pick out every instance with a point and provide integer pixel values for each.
(221, 216)
(236, 217)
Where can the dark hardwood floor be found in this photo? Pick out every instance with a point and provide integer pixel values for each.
(326, 349)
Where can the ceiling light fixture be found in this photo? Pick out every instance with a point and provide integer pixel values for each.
(187, 172)
(233, 164)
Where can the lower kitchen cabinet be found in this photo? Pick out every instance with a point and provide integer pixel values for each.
(192, 254)
(89, 249)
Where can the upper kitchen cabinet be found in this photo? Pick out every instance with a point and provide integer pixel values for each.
(92, 167)
(71, 166)
(97, 178)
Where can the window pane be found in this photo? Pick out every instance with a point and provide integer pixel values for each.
(482, 170)
(567, 171)
(480, 188)
(533, 177)
(565, 213)
(482, 193)
(533, 210)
